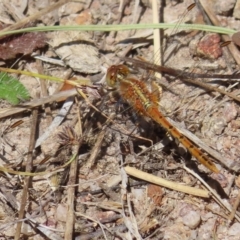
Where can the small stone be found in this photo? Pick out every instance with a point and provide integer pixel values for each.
(229, 112)
(61, 213)
(223, 7)
(206, 216)
(218, 125)
(70, 8)
(234, 230)
(209, 46)
(205, 231)
(190, 217)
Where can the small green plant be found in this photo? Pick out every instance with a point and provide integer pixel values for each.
(12, 90)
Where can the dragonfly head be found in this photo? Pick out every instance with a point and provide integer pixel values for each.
(115, 74)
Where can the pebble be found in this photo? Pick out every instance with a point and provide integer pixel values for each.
(234, 230)
(190, 217)
(209, 46)
(223, 7)
(229, 112)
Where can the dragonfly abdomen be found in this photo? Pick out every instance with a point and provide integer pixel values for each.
(157, 116)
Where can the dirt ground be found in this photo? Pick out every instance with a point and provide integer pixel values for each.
(95, 160)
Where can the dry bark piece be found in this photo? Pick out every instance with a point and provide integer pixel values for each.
(237, 181)
(21, 44)
(236, 11)
(155, 193)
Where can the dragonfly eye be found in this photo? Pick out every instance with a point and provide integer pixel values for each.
(116, 74)
(111, 77)
(122, 71)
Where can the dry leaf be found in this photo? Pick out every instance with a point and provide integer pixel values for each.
(155, 193)
(76, 50)
(21, 44)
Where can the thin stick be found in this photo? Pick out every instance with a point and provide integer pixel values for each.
(70, 202)
(165, 183)
(156, 38)
(71, 188)
(28, 169)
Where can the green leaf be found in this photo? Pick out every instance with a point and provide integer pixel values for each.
(12, 90)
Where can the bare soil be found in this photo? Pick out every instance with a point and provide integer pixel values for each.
(94, 197)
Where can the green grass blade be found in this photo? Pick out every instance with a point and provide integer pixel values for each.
(108, 28)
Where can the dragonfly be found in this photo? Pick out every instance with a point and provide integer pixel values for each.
(145, 102)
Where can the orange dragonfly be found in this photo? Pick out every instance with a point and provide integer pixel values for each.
(135, 92)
